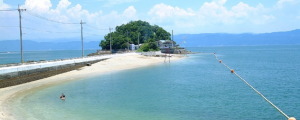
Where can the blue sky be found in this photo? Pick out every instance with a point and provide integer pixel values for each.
(184, 17)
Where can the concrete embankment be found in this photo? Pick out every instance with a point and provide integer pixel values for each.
(14, 75)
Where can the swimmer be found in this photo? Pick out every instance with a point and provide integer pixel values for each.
(62, 97)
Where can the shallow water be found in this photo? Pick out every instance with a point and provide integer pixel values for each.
(196, 88)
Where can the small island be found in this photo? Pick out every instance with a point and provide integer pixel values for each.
(139, 36)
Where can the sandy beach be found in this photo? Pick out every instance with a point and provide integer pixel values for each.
(128, 61)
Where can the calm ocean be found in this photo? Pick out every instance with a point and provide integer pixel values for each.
(195, 88)
(15, 57)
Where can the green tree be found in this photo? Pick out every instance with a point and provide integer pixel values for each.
(129, 33)
(152, 46)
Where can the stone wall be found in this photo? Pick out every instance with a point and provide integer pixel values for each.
(175, 51)
(20, 77)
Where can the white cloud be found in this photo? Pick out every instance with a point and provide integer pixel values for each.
(163, 10)
(115, 18)
(171, 16)
(77, 12)
(243, 10)
(221, 2)
(116, 2)
(211, 16)
(239, 13)
(214, 12)
(3, 6)
(38, 5)
(130, 12)
(282, 3)
(63, 4)
(66, 12)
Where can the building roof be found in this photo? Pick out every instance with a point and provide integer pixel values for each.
(166, 41)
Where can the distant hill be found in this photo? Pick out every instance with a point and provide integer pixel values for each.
(185, 40)
(28, 45)
(224, 39)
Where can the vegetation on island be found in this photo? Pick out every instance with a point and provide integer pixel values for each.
(135, 32)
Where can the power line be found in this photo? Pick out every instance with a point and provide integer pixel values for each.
(8, 26)
(44, 18)
(92, 34)
(20, 25)
(96, 28)
(50, 20)
(28, 19)
(45, 30)
(35, 20)
(9, 10)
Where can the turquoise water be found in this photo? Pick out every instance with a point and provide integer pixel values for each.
(195, 88)
(15, 57)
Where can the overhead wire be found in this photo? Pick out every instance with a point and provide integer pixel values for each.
(29, 19)
(50, 20)
(9, 10)
(8, 26)
(44, 18)
(46, 30)
(28, 12)
(96, 28)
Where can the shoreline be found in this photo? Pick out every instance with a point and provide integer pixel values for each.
(118, 63)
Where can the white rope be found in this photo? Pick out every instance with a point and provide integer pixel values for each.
(254, 89)
(262, 96)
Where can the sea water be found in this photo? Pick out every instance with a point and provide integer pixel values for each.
(195, 88)
(15, 57)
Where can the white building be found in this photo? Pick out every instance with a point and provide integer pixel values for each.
(165, 44)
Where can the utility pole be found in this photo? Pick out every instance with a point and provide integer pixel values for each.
(20, 23)
(172, 39)
(110, 40)
(138, 45)
(127, 41)
(82, 37)
(138, 39)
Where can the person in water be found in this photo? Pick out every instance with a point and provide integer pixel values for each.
(62, 97)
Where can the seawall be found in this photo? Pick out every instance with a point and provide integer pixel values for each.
(14, 75)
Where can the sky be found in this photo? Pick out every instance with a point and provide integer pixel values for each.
(59, 19)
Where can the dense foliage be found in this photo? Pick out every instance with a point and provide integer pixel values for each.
(152, 46)
(135, 32)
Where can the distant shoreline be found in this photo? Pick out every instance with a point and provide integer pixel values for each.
(127, 61)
